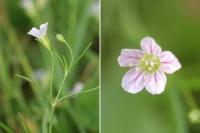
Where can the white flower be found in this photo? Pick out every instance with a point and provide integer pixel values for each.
(40, 74)
(29, 7)
(39, 33)
(78, 87)
(27, 4)
(148, 67)
(95, 7)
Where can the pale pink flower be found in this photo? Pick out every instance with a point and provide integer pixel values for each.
(148, 67)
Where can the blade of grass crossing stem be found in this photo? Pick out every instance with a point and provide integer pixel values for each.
(24, 124)
(4, 127)
(31, 82)
(24, 77)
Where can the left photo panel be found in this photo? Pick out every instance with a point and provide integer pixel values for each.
(49, 66)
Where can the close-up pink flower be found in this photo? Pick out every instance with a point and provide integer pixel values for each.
(148, 67)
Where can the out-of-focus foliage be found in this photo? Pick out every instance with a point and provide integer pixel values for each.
(24, 103)
(175, 25)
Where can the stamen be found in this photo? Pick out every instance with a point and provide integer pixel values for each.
(130, 64)
(149, 63)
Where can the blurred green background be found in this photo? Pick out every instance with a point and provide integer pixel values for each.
(175, 25)
(23, 102)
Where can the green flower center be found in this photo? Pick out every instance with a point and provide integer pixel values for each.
(149, 63)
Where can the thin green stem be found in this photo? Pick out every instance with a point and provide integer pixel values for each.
(64, 65)
(56, 101)
(52, 72)
(70, 95)
(53, 105)
(51, 118)
(61, 86)
(70, 50)
(84, 51)
(62, 39)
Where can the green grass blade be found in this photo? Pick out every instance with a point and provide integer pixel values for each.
(24, 123)
(6, 128)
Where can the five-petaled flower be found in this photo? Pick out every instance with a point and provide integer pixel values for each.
(148, 67)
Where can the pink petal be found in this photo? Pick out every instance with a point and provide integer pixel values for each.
(149, 46)
(156, 83)
(169, 62)
(133, 81)
(129, 57)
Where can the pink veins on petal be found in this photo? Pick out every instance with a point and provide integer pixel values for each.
(148, 67)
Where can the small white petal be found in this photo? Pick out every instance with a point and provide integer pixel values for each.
(43, 29)
(95, 8)
(78, 87)
(149, 46)
(156, 82)
(35, 32)
(133, 81)
(39, 33)
(27, 4)
(129, 57)
(169, 62)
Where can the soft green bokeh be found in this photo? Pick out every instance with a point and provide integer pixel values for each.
(21, 55)
(175, 25)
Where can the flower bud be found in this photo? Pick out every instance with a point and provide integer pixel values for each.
(60, 38)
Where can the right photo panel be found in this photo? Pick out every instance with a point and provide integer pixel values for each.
(150, 66)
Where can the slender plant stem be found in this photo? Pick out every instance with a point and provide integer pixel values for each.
(61, 87)
(72, 63)
(51, 118)
(70, 95)
(79, 57)
(70, 50)
(56, 101)
(52, 72)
